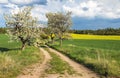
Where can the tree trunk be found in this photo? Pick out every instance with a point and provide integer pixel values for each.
(52, 40)
(60, 41)
(24, 41)
(23, 45)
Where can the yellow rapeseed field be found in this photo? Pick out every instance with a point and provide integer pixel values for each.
(98, 37)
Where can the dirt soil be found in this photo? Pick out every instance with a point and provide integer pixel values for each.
(38, 70)
(81, 71)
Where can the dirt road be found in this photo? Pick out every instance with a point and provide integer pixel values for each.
(82, 71)
(38, 70)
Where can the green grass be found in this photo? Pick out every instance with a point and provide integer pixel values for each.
(13, 60)
(102, 56)
(57, 65)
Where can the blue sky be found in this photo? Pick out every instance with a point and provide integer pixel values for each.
(86, 14)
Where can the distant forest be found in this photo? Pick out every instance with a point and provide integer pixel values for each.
(107, 31)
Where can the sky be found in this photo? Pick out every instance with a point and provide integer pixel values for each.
(86, 14)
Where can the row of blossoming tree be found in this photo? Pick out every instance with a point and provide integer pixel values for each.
(22, 26)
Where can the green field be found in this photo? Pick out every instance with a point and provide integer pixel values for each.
(13, 60)
(102, 56)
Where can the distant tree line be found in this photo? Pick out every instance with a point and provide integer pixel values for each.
(2, 30)
(107, 31)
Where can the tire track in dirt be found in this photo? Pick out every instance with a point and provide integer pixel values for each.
(80, 69)
(36, 70)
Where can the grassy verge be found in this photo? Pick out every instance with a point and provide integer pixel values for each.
(13, 60)
(58, 66)
(102, 56)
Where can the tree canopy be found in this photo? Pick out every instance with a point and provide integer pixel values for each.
(22, 26)
(59, 23)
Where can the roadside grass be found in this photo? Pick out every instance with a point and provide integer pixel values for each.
(102, 56)
(13, 60)
(58, 66)
(98, 37)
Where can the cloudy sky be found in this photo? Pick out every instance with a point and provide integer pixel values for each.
(86, 14)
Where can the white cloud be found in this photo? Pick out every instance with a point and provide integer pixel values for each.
(54, 5)
(72, 1)
(22, 1)
(1, 11)
(39, 11)
(3, 1)
(94, 8)
(110, 8)
(28, 2)
(84, 9)
(80, 8)
(11, 6)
